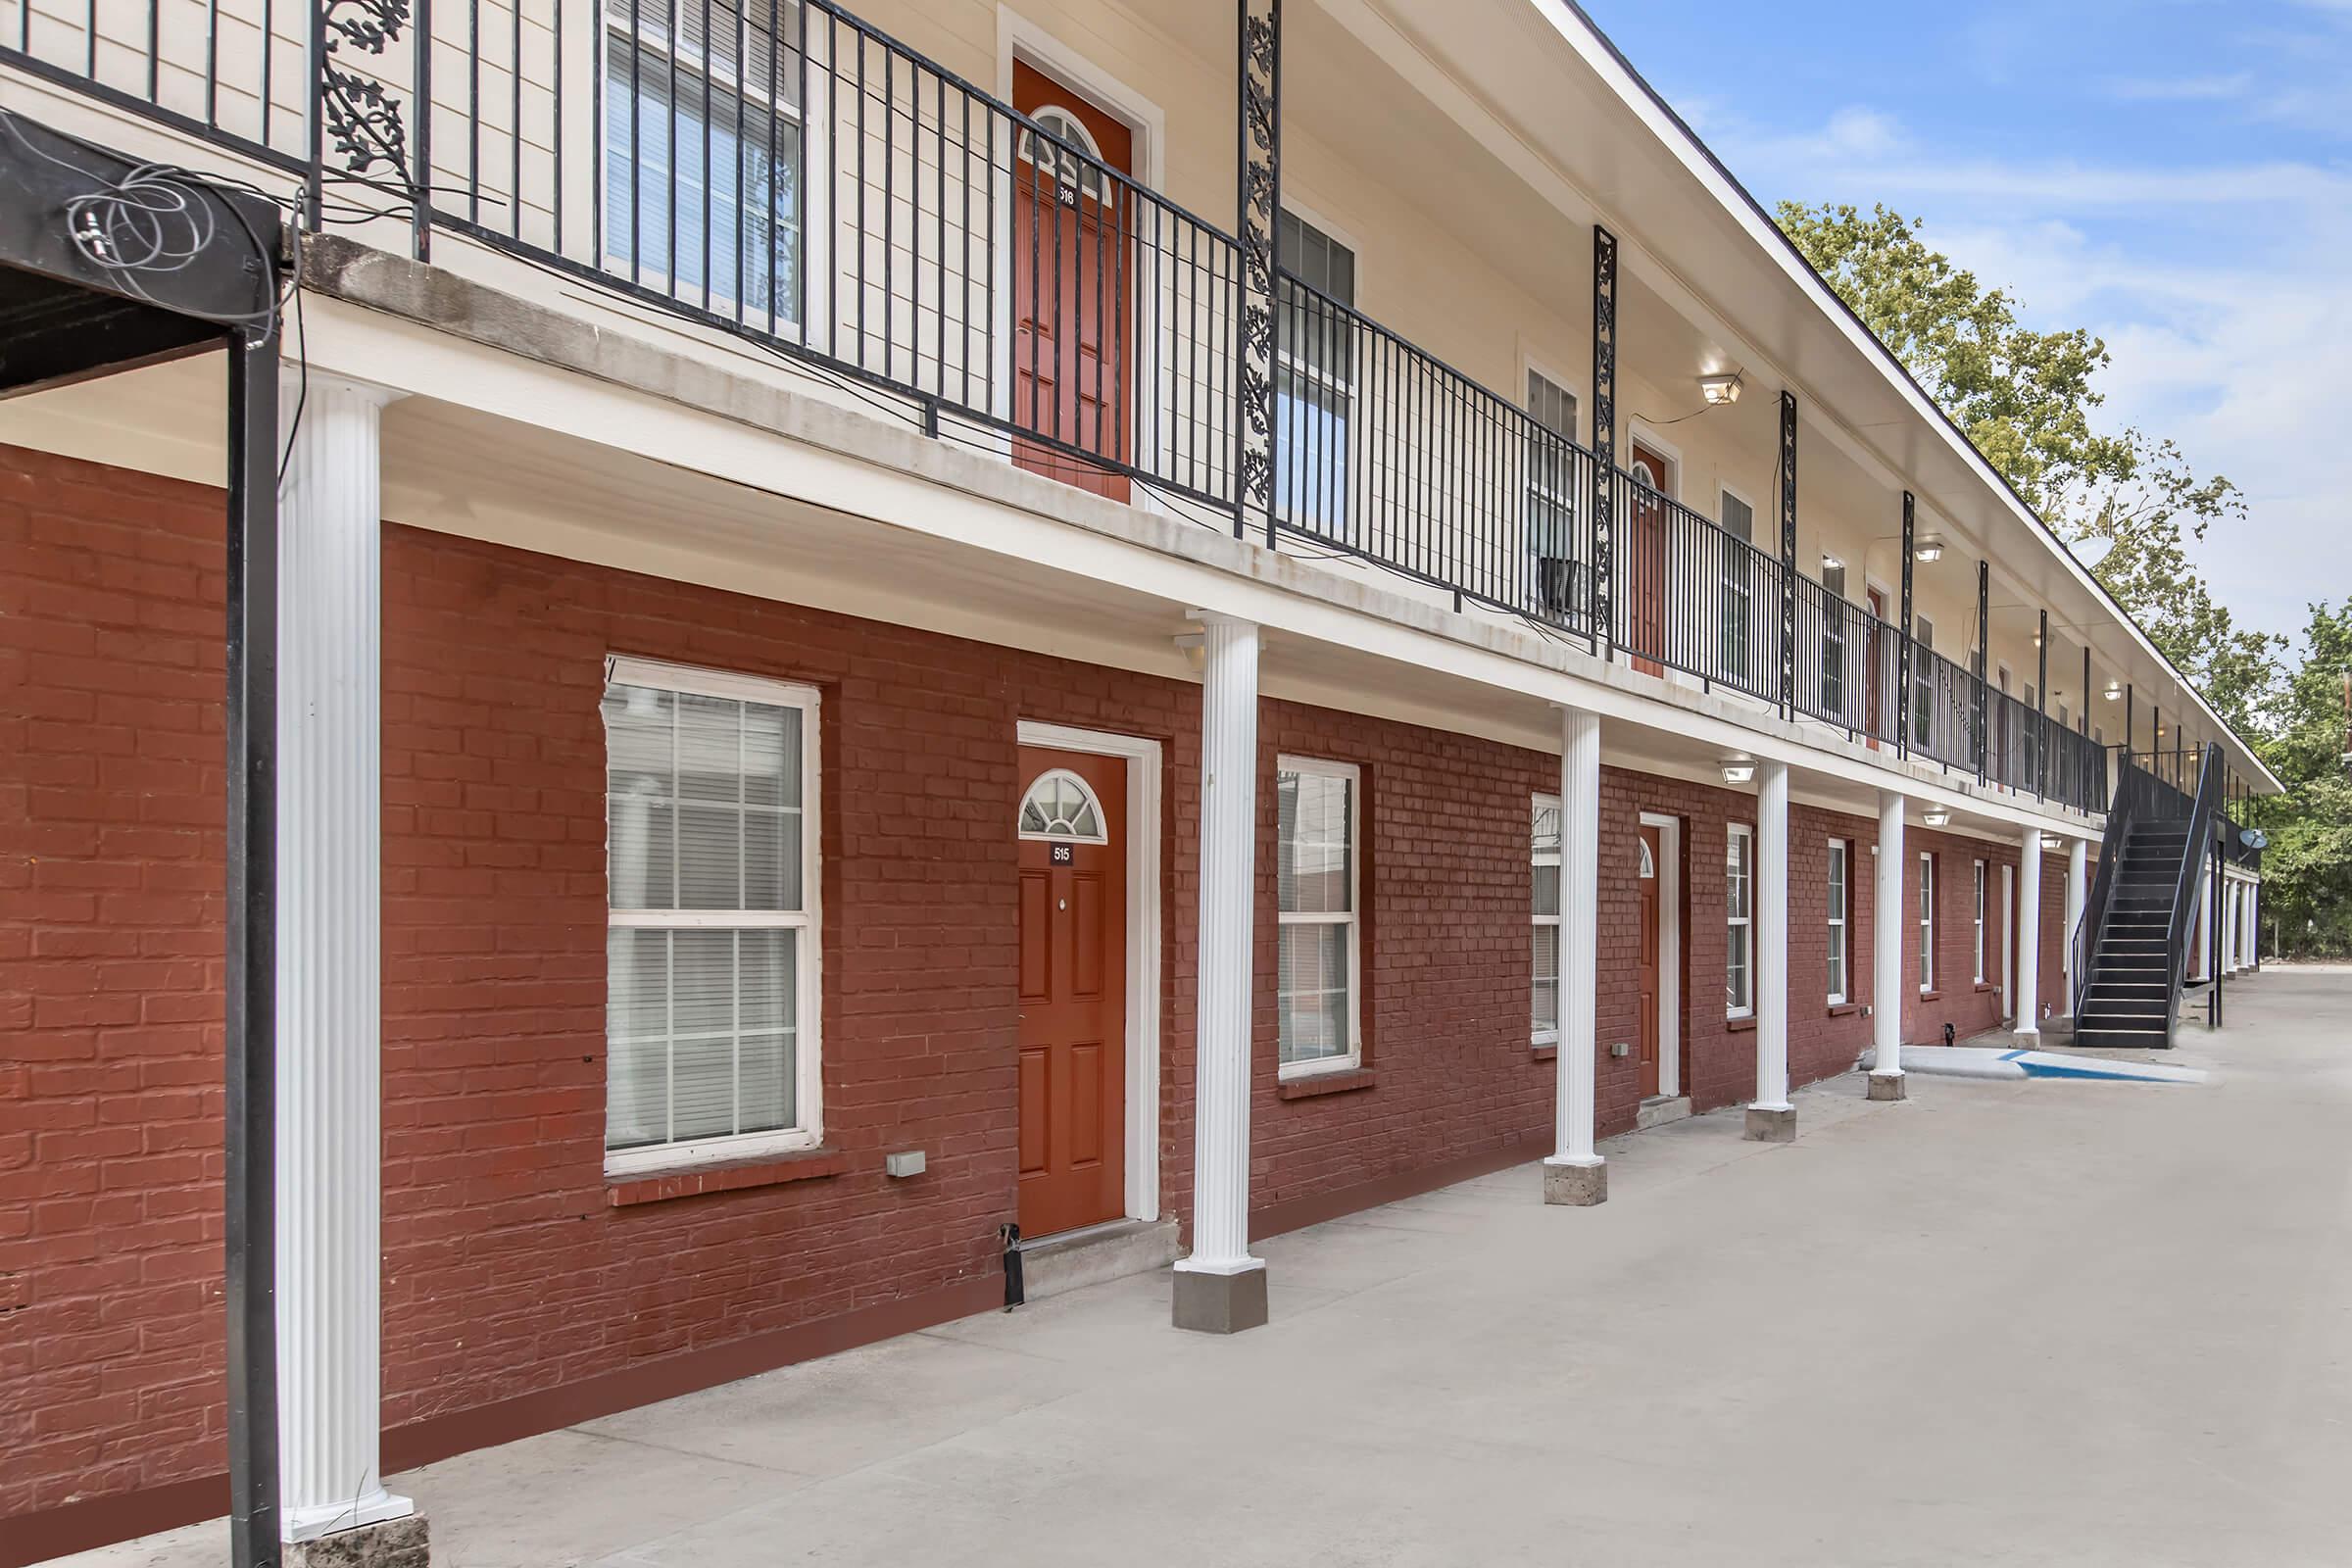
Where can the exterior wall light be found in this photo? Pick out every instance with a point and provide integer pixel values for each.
(2115, 691)
(1738, 772)
(1720, 389)
(1937, 817)
(1928, 550)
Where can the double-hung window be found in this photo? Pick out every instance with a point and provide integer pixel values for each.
(1314, 376)
(1739, 584)
(1838, 870)
(703, 152)
(1553, 479)
(1316, 991)
(1927, 921)
(710, 1023)
(1544, 1021)
(1739, 916)
(1832, 638)
(1978, 902)
(1923, 684)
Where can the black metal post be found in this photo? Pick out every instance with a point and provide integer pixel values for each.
(1984, 641)
(250, 997)
(1903, 641)
(1258, 195)
(2213, 935)
(2042, 712)
(2127, 722)
(1604, 439)
(1787, 554)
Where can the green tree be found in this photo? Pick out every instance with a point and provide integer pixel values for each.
(2307, 870)
(2023, 397)
(2026, 398)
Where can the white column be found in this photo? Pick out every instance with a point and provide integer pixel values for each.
(2028, 934)
(1771, 925)
(2228, 931)
(1575, 1173)
(1227, 899)
(1887, 912)
(330, 940)
(2078, 890)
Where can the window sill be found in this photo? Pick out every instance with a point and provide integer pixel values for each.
(1931, 995)
(1840, 1009)
(1543, 1053)
(1987, 985)
(695, 1180)
(1745, 1021)
(1325, 1083)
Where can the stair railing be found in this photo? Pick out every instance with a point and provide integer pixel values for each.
(2185, 888)
(2134, 791)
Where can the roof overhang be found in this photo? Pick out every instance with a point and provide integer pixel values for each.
(1611, 150)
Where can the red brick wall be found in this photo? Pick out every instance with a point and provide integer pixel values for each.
(111, 845)
(507, 1272)
(1447, 941)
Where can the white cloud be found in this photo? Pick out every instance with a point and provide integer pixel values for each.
(2180, 90)
(2219, 291)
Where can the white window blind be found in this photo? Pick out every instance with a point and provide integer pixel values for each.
(1738, 887)
(1316, 900)
(1838, 907)
(711, 855)
(1544, 1021)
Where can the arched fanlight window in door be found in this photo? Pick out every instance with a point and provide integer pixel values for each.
(1060, 805)
(1071, 175)
(1649, 861)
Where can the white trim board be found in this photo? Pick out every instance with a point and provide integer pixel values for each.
(1670, 950)
(1143, 787)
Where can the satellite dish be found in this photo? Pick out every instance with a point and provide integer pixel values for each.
(2254, 838)
(2090, 552)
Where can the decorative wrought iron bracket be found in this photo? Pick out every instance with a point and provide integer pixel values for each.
(355, 116)
(1260, 186)
(1605, 439)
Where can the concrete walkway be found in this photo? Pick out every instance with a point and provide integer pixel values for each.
(2039, 1322)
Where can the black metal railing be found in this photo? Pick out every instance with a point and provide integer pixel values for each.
(2141, 797)
(2202, 813)
(787, 174)
(2176, 770)
(1848, 665)
(1693, 597)
(1385, 452)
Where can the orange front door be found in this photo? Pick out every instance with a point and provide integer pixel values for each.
(1073, 995)
(1073, 273)
(1645, 562)
(1646, 962)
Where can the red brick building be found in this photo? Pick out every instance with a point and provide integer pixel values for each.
(776, 793)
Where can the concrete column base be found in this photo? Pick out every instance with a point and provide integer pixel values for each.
(1579, 1186)
(1887, 1085)
(1771, 1125)
(1220, 1303)
(393, 1543)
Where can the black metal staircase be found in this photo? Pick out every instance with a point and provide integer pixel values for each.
(2131, 948)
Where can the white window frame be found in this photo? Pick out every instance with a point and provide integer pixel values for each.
(1346, 389)
(1352, 919)
(1742, 586)
(808, 1048)
(1740, 930)
(1547, 922)
(1927, 921)
(1984, 877)
(1842, 861)
(808, 119)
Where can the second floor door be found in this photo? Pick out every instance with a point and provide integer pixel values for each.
(1073, 280)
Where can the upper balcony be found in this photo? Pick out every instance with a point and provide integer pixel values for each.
(1029, 269)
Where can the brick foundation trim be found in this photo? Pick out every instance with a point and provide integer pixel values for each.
(102, 1521)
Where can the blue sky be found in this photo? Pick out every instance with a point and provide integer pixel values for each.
(2174, 174)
